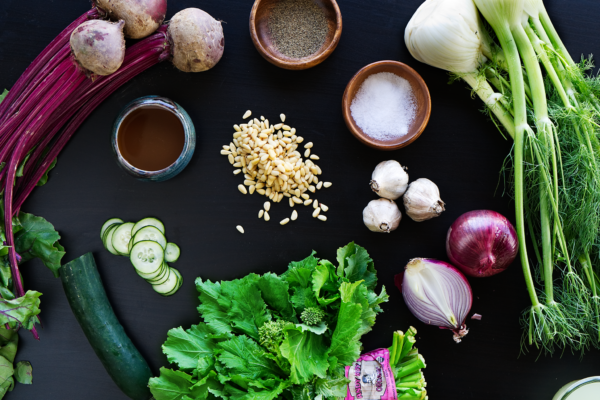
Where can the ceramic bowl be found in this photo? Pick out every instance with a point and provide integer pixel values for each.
(420, 91)
(263, 41)
(188, 146)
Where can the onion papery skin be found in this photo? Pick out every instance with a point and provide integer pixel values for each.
(437, 294)
(482, 243)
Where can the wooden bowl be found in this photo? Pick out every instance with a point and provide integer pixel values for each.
(419, 89)
(261, 35)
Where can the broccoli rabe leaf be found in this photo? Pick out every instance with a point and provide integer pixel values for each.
(248, 310)
(331, 387)
(307, 353)
(170, 385)
(356, 265)
(185, 348)
(275, 292)
(242, 356)
(213, 306)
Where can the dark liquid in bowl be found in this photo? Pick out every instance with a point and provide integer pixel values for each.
(151, 138)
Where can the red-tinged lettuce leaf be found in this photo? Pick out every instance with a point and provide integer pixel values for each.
(244, 357)
(248, 310)
(10, 341)
(24, 372)
(307, 354)
(170, 385)
(21, 311)
(275, 292)
(185, 348)
(355, 264)
(37, 238)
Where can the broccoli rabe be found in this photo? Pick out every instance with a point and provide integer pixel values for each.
(312, 316)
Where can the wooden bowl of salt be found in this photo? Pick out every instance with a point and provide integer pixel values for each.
(295, 34)
(386, 105)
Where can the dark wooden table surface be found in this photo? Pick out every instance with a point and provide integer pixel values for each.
(460, 150)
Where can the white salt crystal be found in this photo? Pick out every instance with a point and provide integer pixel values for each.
(384, 106)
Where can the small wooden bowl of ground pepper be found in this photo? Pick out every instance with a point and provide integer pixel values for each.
(295, 34)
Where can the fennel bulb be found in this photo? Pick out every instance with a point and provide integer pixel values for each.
(447, 34)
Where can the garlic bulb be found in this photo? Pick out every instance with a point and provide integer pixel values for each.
(389, 180)
(422, 200)
(382, 215)
(448, 34)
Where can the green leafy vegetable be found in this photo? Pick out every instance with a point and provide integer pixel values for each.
(272, 336)
(3, 95)
(37, 238)
(23, 372)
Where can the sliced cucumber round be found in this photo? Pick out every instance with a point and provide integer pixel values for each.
(172, 252)
(108, 223)
(108, 240)
(105, 234)
(163, 270)
(171, 284)
(179, 282)
(160, 278)
(149, 233)
(121, 238)
(148, 222)
(147, 257)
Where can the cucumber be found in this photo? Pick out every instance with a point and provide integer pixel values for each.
(121, 238)
(149, 222)
(161, 272)
(172, 252)
(149, 233)
(108, 223)
(88, 301)
(147, 257)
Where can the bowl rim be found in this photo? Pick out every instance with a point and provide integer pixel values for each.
(357, 131)
(301, 63)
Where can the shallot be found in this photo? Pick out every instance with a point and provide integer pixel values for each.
(482, 243)
(437, 294)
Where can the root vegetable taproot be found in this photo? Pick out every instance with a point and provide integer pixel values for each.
(142, 17)
(99, 46)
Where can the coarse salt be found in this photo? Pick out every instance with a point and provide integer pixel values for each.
(384, 106)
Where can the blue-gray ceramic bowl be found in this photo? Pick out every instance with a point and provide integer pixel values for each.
(188, 146)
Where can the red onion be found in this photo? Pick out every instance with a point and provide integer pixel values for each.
(482, 243)
(437, 294)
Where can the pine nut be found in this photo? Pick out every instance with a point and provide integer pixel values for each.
(316, 213)
(307, 153)
(237, 128)
(322, 217)
(315, 204)
(291, 202)
(314, 157)
(294, 215)
(267, 216)
(261, 191)
(297, 200)
(242, 189)
(249, 183)
(247, 114)
(308, 145)
(236, 171)
(284, 221)
(311, 188)
(240, 229)
(286, 128)
(293, 130)
(327, 184)
(267, 206)
(299, 139)
(225, 152)
(282, 116)
(231, 159)
(305, 196)
(278, 126)
(320, 185)
(307, 202)
(324, 207)
(279, 197)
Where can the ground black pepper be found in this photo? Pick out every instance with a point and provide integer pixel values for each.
(298, 27)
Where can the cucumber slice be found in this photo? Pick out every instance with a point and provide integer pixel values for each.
(147, 257)
(148, 222)
(106, 232)
(149, 233)
(121, 238)
(163, 270)
(171, 284)
(179, 282)
(108, 240)
(108, 223)
(162, 277)
(172, 252)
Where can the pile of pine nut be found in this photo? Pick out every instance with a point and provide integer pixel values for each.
(268, 157)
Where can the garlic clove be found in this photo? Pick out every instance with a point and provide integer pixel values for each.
(422, 200)
(382, 215)
(389, 180)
